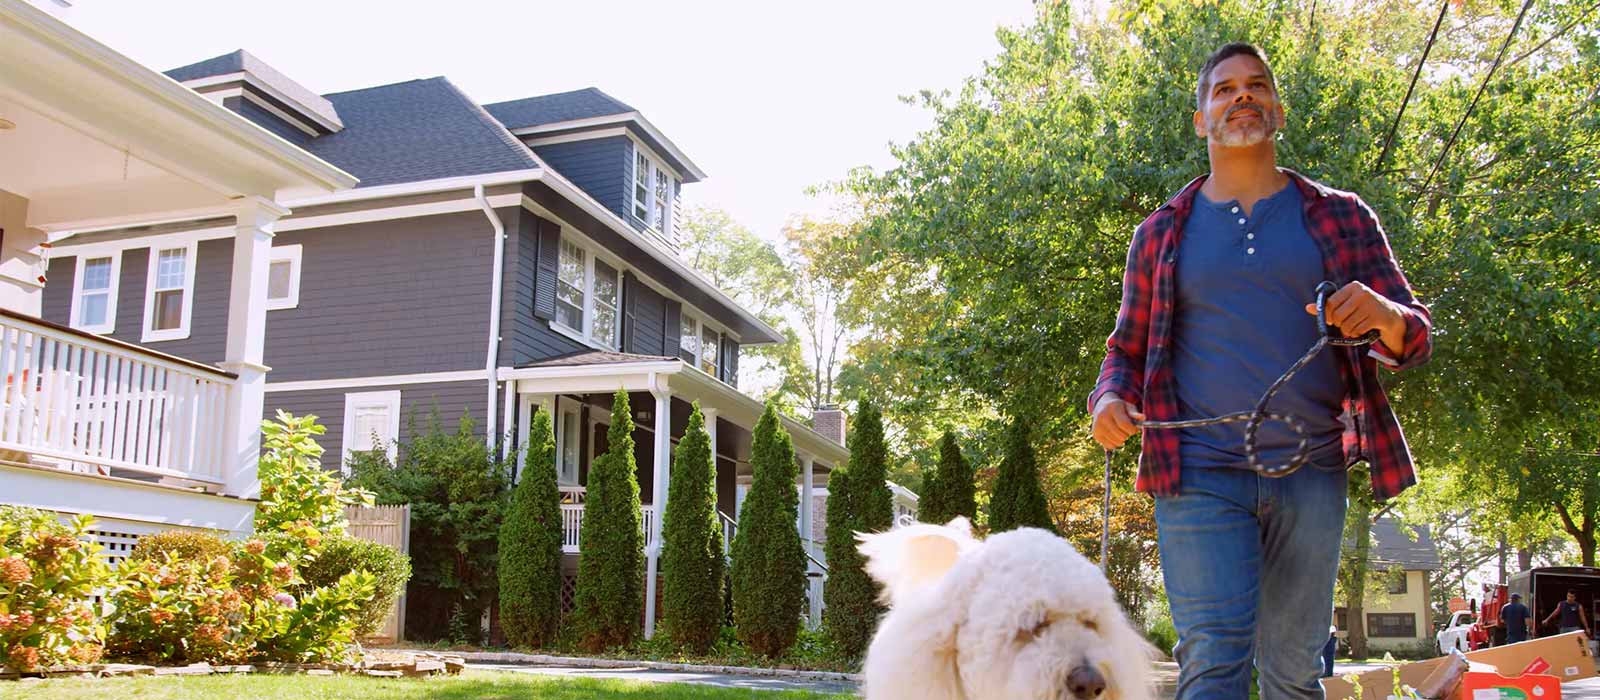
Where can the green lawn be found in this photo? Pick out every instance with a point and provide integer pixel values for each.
(472, 685)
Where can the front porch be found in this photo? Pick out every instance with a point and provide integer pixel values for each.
(577, 392)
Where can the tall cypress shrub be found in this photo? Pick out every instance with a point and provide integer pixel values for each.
(1018, 499)
(692, 559)
(950, 490)
(769, 563)
(610, 595)
(530, 546)
(858, 502)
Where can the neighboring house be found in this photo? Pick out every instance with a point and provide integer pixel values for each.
(144, 439)
(1399, 618)
(494, 261)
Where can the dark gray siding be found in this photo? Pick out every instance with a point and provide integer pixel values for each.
(208, 324)
(524, 337)
(267, 120)
(405, 296)
(601, 167)
(417, 403)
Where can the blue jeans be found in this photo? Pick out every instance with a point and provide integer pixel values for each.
(1249, 564)
(1328, 651)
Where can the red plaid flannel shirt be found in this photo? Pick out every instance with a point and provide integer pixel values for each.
(1138, 367)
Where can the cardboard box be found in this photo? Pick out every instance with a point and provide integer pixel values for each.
(1493, 686)
(1567, 657)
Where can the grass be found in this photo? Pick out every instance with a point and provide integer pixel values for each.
(472, 685)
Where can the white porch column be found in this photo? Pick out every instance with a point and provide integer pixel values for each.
(807, 466)
(711, 430)
(247, 330)
(660, 482)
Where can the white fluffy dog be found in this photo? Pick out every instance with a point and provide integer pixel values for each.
(1019, 616)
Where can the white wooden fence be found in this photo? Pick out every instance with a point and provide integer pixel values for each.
(82, 402)
(389, 526)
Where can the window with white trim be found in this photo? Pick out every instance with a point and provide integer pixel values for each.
(169, 296)
(652, 192)
(588, 296)
(94, 293)
(569, 437)
(283, 277)
(371, 424)
(699, 344)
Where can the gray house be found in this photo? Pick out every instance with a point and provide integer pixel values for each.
(495, 260)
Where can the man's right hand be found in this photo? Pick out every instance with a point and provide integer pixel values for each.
(1114, 421)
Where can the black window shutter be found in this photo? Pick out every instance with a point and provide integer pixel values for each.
(673, 320)
(730, 362)
(548, 235)
(630, 304)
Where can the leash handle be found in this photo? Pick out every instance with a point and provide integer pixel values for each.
(1324, 290)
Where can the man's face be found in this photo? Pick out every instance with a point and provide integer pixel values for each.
(1572, 597)
(1241, 109)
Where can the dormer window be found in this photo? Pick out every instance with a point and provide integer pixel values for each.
(652, 193)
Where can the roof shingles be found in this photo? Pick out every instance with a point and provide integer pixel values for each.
(560, 107)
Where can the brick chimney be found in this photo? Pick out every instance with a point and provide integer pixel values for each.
(828, 420)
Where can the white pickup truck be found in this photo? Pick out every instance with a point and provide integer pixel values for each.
(1454, 634)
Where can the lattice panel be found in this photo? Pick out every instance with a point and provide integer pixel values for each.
(116, 545)
(569, 594)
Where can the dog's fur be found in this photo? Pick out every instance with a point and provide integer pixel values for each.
(1007, 618)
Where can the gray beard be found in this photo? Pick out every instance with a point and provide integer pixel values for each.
(1249, 135)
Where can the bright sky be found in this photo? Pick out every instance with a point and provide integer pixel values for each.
(768, 98)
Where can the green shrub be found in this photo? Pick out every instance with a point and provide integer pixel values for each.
(456, 487)
(324, 624)
(530, 546)
(47, 576)
(189, 545)
(860, 501)
(692, 558)
(769, 564)
(611, 567)
(295, 489)
(342, 555)
(951, 490)
(1018, 499)
(1162, 634)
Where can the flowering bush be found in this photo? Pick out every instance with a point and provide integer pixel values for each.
(47, 577)
(295, 488)
(234, 608)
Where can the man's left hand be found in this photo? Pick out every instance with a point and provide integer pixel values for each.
(1356, 309)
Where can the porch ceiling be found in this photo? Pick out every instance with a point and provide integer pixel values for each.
(671, 375)
(96, 139)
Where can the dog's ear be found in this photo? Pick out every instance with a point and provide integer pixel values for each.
(913, 558)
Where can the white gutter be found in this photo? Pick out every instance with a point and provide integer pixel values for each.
(492, 364)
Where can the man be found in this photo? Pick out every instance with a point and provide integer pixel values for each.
(1215, 306)
(1516, 618)
(1573, 618)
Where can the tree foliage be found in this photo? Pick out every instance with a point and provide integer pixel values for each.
(610, 595)
(692, 560)
(530, 545)
(1018, 499)
(951, 490)
(768, 577)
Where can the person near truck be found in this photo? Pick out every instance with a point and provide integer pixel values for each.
(1214, 306)
(1573, 618)
(1518, 621)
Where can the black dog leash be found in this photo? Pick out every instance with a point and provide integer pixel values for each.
(1254, 418)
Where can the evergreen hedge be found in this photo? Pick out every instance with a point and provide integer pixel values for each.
(858, 501)
(692, 559)
(950, 491)
(530, 546)
(769, 563)
(1018, 499)
(610, 595)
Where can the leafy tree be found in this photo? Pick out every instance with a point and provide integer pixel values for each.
(768, 577)
(295, 489)
(952, 489)
(858, 502)
(692, 560)
(530, 546)
(610, 595)
(456, 488)
(1018, 499)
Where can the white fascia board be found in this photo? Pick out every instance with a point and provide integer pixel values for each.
(464, 182)
(124, 499)
(178, 129)
(250, 79)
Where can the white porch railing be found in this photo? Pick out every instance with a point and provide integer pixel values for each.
(572, 525)
(89, 404)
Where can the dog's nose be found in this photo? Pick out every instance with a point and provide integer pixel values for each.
(1085, 683)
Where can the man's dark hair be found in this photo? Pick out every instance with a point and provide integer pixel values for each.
(1237, 48)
